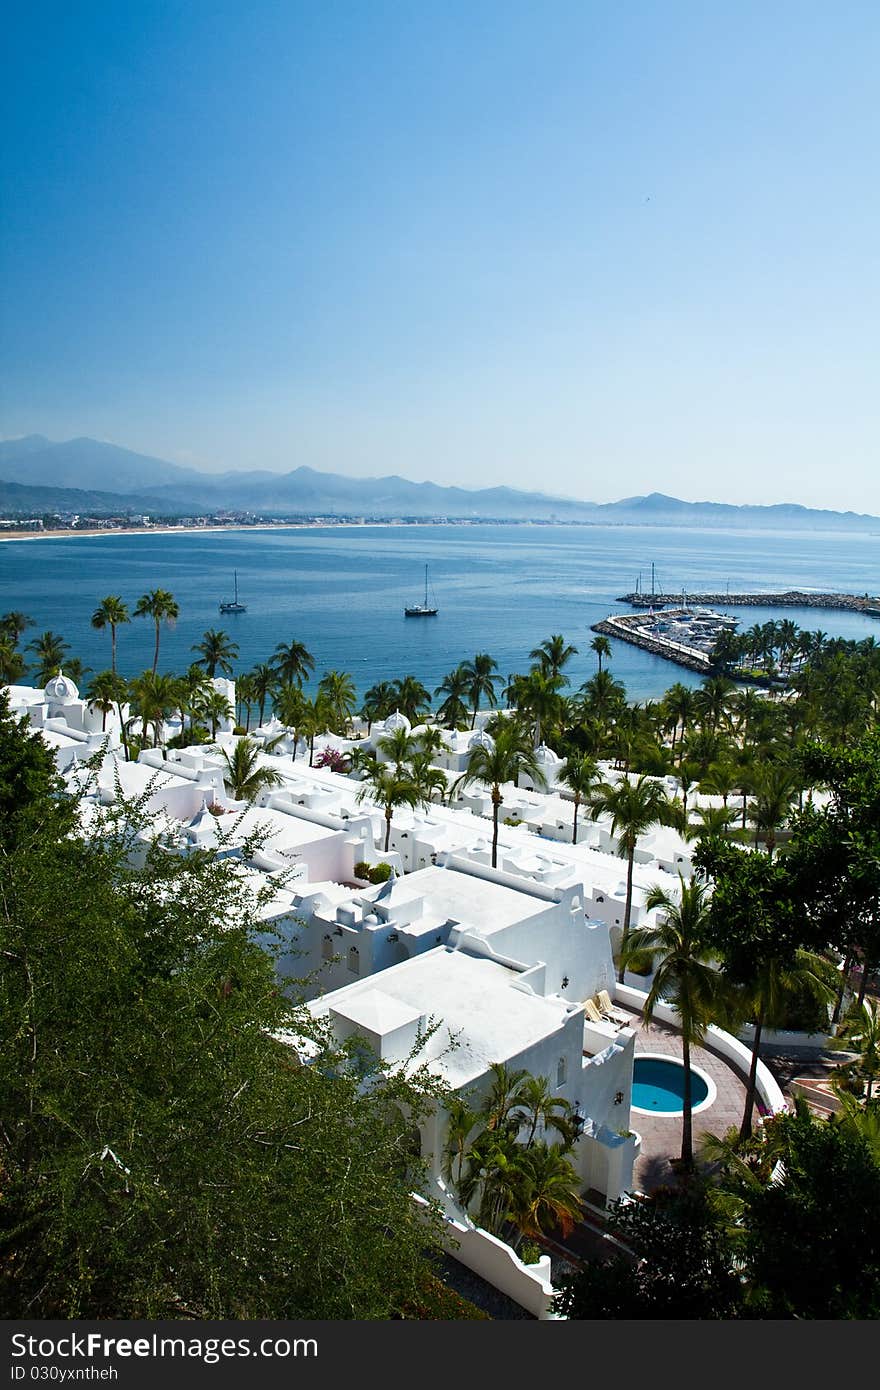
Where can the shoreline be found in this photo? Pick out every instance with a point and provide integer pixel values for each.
(88, 533)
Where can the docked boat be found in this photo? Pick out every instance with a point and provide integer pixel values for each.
(233, 605)
(424, 609)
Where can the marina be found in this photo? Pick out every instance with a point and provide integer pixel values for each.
(684, 635)
(792, 598)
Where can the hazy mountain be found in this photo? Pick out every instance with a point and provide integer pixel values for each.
(136, 481)
(36, 501)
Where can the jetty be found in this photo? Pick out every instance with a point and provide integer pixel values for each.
(684, 635)
(792, 598)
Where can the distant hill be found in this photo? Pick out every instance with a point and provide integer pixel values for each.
(131, 481)
(21, 500)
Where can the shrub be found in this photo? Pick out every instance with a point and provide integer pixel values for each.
(380, 873)
(332, 758)
(362, 869)
(240, 730)
(530, 1252)
(639, 963)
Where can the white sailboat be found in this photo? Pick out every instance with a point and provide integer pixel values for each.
(421, 610)
(233, 606)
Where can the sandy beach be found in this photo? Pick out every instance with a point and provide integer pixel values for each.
(69, 534)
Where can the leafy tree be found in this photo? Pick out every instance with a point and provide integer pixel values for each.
(379, 702)
(337, 689)
(153, 698)
(111, 612)
(162, 1154)
(509, 756)
(217, 652)
(162, 607)
(106, 692)
(263, 681)
(552, 655)
(13, 625)
(12, 663)
(680, 1265)
(411, 698)
(860, 1034)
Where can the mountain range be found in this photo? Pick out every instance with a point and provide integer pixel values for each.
(96, 478)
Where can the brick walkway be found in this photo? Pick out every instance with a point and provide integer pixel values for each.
(661, 1136)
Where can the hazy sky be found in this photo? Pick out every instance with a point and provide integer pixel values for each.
(595, 248)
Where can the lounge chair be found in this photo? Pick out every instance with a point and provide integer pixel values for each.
(592, 1012)
(603, 998)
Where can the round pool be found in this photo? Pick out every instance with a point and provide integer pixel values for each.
(658, 1086)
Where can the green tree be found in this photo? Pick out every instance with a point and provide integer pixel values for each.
(152, 1140)
(633, 807)
(245, 779)
(509, 756)
(390, 788)
(379, 702)
(579, 774)
(454, 687)
(50, 650)
(105, 692)
(162, 607)
(337, 689)
(153, 698)
(111, 612)
(602, 647)
(292, 662)
(683, 976)
(552, 655)
(411, 698)
(860, 1034)
(263, 680)
(481, 681)
(217, 652)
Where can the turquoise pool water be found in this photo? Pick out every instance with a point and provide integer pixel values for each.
(658, 1086)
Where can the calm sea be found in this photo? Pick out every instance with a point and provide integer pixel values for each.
(342, 591)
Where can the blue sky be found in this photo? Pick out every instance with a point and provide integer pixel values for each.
(599, 249)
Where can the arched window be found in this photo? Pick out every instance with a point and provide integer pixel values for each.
(327, 947)
(560, 1072)
(354, 961)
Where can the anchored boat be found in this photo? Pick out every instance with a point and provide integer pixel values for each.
(421, 610)
(233, 606)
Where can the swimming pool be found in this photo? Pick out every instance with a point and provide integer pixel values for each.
(658, 1086)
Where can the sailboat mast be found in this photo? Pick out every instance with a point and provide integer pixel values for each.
(426, 586)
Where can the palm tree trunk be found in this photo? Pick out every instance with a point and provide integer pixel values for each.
(389, 811)
(687, 1120)
(113, 647)
(745, 1128)
(156, 652)
(574, 829)
(496, 802)
(626, 911)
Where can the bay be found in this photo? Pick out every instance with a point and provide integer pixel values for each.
(341, 590)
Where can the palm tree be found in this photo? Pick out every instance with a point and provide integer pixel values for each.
(538, 1105)
(509, 755)
(398, 748)
(463, 1123)
(12, 663)
(412, 699)
(454, 687)
(431, 781)
(244, 777)
(634, 807)
(160, 605)
(602, 647)
(337, 688)
(579, 773)
(861, 1034)
(379, 702)
(776, 978)
(315, 719)
(263, 681)
(50, 650)
(390, 788)
(539, 696)
(111, 612)
(13, 625)
(774, 789)
(552, 654)
(679, 705)
(290, 707)
(292, 661)
(481, 681)
(683, 976)
(216, 651)
(153, 698)
(213, 707)
(603, 697)
(106, 689)
(245, 697)
(545, 1192)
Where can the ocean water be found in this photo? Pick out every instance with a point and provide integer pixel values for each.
(499, 589)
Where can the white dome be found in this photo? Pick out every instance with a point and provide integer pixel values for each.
(482, 740)
(61, 687)
(543, 754)
(396, 721)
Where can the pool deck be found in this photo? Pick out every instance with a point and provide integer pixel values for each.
(661, 1135)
